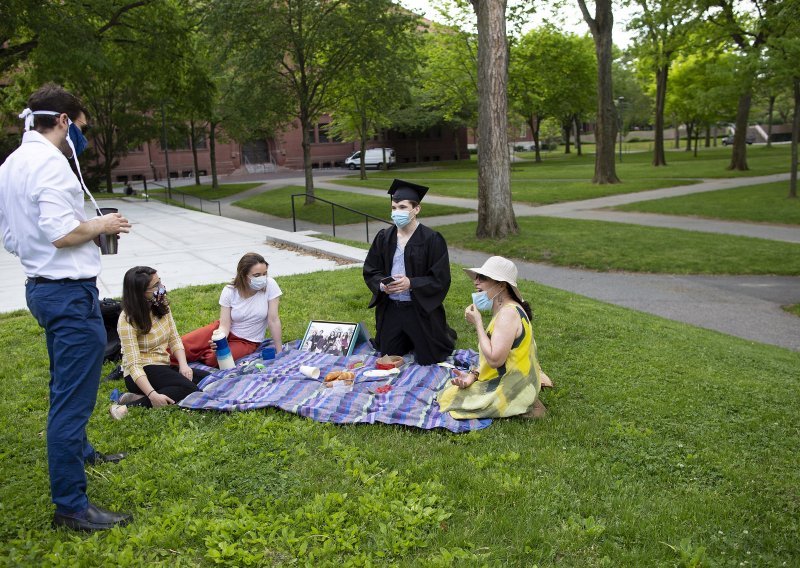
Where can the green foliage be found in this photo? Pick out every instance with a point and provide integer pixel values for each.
(766, 203)
(652, 455)
(278, 202)
(609, 246)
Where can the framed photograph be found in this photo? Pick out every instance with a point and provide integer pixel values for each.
(331, 337)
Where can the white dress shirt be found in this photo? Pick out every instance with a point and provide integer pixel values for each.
(41, 201)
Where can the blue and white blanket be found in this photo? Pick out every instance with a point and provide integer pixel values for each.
(255, 383)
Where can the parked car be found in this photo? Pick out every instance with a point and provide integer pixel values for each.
(729, 139)
(372, 157)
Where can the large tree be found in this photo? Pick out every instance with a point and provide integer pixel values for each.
(663, 27)
(601, 25)
(750, 25)
(783, 56)
(378, 81)
(300, 48)
(552, 74)
(495, 210)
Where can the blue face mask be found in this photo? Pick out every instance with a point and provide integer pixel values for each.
(401, 218)
(482, 301)
(79, 141)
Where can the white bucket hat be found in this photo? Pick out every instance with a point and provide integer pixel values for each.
(498, 269)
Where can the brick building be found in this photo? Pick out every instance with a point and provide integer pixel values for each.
(439, 143)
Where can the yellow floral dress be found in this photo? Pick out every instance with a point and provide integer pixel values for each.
(508, 390)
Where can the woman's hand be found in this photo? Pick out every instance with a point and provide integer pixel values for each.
(473, 316)
(186, 371)
(212, 346)
(462, 380)
(158, 400)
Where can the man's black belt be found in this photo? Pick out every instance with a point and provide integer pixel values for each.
(43, 280)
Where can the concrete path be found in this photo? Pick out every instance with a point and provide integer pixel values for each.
(186, 247)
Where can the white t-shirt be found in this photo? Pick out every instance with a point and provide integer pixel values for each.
(249, 315)
(41, 201)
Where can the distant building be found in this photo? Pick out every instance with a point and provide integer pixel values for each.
(440, 143)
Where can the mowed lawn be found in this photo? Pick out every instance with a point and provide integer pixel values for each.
(208, 192)
(606, 246)
(665, 445)
(278, 202)
(561, 177)
(763, 203)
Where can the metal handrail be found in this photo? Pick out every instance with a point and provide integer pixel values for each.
(183, 195)
(333, 205)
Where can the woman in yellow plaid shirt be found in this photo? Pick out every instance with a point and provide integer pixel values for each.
(147, 331)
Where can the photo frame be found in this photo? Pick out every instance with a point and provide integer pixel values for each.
(333, 337)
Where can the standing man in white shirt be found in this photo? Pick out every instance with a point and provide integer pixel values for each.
(43, 223)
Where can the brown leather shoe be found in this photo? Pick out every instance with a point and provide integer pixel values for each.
(93, 519)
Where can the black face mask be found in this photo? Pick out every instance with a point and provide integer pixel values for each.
(159, 303)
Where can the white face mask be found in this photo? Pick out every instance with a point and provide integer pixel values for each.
(258, 282)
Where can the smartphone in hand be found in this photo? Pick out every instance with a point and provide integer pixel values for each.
(388, 280)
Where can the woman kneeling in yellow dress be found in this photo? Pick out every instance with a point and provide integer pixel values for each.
(508, 377)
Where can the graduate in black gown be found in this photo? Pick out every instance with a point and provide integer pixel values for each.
(409, 315)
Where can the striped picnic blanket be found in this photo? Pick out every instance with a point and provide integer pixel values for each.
(411, 401)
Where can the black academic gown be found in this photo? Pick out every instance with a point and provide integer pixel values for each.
(428, 268)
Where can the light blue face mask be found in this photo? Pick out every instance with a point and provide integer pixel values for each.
(482, 300)
(401, 218)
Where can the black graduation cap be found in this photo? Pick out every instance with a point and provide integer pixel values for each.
(402, 190)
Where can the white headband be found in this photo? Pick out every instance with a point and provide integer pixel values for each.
(27, 114)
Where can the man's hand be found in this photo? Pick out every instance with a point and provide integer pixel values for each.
(114, 224)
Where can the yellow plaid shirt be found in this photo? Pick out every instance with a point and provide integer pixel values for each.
(140, 349)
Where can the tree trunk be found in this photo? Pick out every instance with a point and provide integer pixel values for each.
(769, 120)
(578, 146)
(212, 153)
(659, 155)
(455, 143)
(495, 210)
(362, 169)
(533, 122)
(689, 136)
(739, 155)
(305, 124)
(696, 139)
(416, 149)
(193, 140)
(707, 143)
(601, 27)
(795, 137)
(677, 136)
(567, 126)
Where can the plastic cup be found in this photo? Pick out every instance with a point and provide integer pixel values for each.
(109, 243)
(268, 353)
(309, 371)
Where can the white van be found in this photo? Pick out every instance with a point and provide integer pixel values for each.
(373, 157)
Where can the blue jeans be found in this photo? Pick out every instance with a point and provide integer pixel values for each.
(69, 312)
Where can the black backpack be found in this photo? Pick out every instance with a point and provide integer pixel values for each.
(111, 309)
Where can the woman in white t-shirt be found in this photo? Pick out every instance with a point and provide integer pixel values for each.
(248, 306)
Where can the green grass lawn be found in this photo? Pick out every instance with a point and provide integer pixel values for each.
(606, 246)
(765, 203)
(665, 445)
(793, 309)
(278, 202)
(562, 177)
(208, 192)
